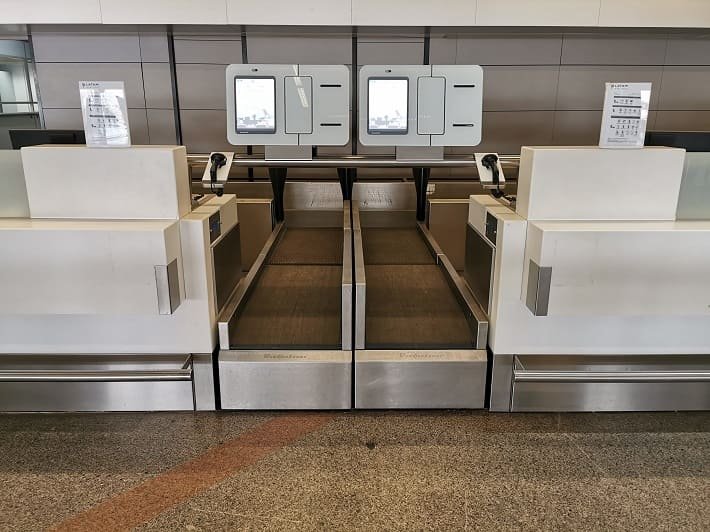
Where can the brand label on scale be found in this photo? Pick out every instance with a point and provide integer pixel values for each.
(625, 115)
(103, 106)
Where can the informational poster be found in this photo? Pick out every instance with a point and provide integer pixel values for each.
(103, 105)
(625, 115)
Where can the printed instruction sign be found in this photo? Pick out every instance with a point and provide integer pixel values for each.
(103, 105)
(625, 115)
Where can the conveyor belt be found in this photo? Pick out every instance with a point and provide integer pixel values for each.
(310, 246)
(410, 304)
(296, 302)
(395, 246)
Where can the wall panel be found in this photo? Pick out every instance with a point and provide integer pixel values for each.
(688, 50)
(156, 85)
(540, 87)
(201, 86)
(381, 50)
(86, 47)
(208, 51)
(204, 131)
(71, 119)
(59, 82)
(63, 58)
(613, 50)
(509, 49)
(310, 49)
(154, 46)
(161, 126)
(683, 121)
(505, 132)
(519, 88)
(685, 88)
(582, 87)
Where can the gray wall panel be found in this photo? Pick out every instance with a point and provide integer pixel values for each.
(519, 88)
(580, 128)
(505, 132)
(158, 89)
(201, 86)
(683, 120)
(154, 47)
(442, 50)
(509, 50)
(71, 119)
(577, 128)
(688, 51)
(161, 126)
(310, 50)
(59, 82)
(67, 55)
(86, 47)
(385, 52)
(613, 50)
(539, 88)
(204, 131)
(210, 51)
(63, 119)
(581, 88)
(685, 88)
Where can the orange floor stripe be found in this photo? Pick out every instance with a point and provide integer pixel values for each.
(151, 498)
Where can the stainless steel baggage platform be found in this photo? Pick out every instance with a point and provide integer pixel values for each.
(285, 336)
(420, 338)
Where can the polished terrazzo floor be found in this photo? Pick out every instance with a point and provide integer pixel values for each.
(356, 470)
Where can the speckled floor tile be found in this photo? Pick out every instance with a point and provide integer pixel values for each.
(595, 504)
(35, 501)
(376, 471)
(648, 455)
(138, 443)
(53, 466)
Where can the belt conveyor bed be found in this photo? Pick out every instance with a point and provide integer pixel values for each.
(296, 301)
(285, 335)
(319, 299)
(410, 303)
(420, 339)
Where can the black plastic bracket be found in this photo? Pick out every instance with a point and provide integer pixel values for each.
(278, 184)
(421, 182)
(347, 177)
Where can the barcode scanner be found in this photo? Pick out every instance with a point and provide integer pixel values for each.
(217, 161)
(490, 162)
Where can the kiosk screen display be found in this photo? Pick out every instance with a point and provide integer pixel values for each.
(255, 104)
(387, 105)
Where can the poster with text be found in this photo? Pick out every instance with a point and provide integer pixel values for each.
(103, 106)
(625, 115)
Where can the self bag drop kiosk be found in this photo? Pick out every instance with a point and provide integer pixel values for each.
(285, 335)
(420, 337)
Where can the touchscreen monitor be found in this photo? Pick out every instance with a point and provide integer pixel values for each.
(387, 105)
(255, 104)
